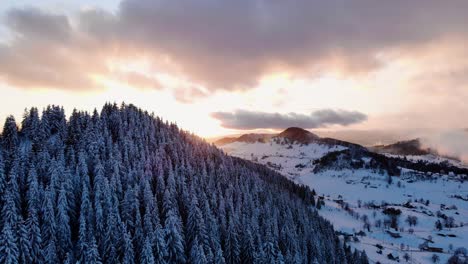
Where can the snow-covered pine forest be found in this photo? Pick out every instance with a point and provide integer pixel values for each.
(122, 186)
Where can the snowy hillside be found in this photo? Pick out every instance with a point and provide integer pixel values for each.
(417, 215)
(284, 158)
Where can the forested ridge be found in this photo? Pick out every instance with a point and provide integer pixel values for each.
(123, 186)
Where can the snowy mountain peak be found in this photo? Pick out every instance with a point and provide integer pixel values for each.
(297, 134)
(291, 134)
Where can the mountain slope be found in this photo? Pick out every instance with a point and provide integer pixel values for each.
(291, 135)
(357, 188)
(122, 186)
(409, 147)
(413, 150)
(247, 138)
(329, 153)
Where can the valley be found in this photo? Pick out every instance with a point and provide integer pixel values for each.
(412, 217)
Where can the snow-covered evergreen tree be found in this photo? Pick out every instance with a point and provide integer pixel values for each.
(173, 237)
(24, 243)
(146, 256)
(197, 256)
(9, 252)
(63, 224)
(128, 253)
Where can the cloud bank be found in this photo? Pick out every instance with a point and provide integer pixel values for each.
(220, 45)
(452, 143)
(246, 120)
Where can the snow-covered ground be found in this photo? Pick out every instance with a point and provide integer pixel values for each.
(283, 157)
(352, 196)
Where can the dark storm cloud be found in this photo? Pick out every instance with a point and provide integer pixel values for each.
(230, 44)
(242, 119)
(45, 53)
(33, 24)
(223, 45)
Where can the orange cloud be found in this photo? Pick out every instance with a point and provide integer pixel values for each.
(219, 45)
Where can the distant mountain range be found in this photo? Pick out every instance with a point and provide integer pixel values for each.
(408, 147)
(410, 154)
(290, 135)
(247, 138)
(412, 147)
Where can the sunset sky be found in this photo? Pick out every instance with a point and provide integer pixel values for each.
(226, 67)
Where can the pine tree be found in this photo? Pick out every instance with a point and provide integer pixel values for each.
(247, 250)
(231, 249)
(100, 222)
(148, 225)
(10, 211)
(129, 255)
(86, 208)
(50, 255)
(112, 235)
(9, 249)
(270, 254)
(195, 223)
(175, 247)
(92, 253)
(63, 224)
(197, 256)
(13, 186)
(9, 139)
(159, 245)
(32, 221)
(219, 256)
(9, 252)
(68, 259)
(3, 179)
(138, 233)
(25, 247)
(339, 254)
(49, 226)
(364, 259)
(128, 208)
(280, 258)
(82, 239)
(147, 253)
(30, 126)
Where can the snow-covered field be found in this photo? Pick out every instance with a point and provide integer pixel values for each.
(281, 157)
(354, 201)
